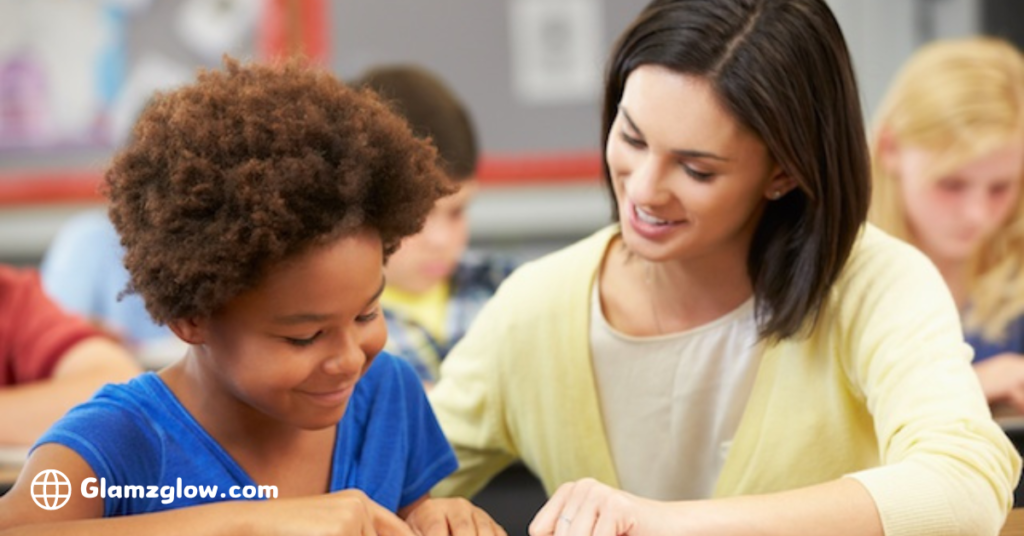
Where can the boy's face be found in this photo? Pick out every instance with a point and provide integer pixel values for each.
(294, 347)
(429, 257)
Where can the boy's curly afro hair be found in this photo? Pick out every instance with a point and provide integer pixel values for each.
(251, 165)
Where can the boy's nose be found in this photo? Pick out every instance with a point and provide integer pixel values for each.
(348, 358)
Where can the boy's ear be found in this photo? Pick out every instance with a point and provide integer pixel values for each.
(190, 330)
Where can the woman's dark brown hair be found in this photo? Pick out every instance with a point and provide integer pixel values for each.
(252, 165)
(781, 67)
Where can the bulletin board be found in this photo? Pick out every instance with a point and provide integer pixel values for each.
(530, 72)
(74, 74)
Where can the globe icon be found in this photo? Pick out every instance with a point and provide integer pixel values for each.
(51, 489)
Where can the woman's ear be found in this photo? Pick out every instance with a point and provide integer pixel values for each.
(191, 330)
(780, 184)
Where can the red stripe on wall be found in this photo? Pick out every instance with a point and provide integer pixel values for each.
(45, 187)
(78, 186)
(542, 168)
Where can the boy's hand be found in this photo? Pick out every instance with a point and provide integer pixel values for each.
(454, 517)
(342, 513)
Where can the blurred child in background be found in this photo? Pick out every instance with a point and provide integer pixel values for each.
(82, 270)
(434, 287)
(948, 162)
(50, 360)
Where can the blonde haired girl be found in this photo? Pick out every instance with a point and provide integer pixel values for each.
(948, 166)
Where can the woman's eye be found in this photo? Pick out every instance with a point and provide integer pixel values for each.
(699, 176)
(634, 142)
(303, 342)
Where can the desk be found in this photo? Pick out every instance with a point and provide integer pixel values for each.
(1008, 417)
(12, 459)
(1014, 523)
(8, 476)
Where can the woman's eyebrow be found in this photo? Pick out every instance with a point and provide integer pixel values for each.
(688, 153)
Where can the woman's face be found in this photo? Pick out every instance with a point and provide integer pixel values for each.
(949, 217)
(689, 180)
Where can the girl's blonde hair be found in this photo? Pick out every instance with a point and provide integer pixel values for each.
(960, 99)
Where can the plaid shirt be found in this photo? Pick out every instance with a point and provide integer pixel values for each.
(475, 280)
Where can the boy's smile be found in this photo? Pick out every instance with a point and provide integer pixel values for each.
(293, 347)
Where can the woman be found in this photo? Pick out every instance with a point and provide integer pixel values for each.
(740, 331)
(948, 165)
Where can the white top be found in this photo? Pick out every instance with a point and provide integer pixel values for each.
(671, 403)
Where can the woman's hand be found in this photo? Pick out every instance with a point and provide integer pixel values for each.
(1002, 379)
(455, 517)
(587, 507)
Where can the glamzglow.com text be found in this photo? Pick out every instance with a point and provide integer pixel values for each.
(168, 494)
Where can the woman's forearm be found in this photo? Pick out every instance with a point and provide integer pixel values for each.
(838, 508)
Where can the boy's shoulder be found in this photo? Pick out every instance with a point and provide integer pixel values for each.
(140, 404)
(120, 430)
(387, 374)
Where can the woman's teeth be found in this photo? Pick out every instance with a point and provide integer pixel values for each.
(649, 219)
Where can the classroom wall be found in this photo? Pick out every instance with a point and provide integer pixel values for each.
(471, 44)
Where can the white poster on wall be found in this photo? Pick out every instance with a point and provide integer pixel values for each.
(212, 28)
(61, 63)
(556, 50)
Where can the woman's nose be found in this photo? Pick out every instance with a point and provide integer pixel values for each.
(645, 186)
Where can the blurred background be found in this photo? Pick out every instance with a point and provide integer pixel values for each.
(74, 73)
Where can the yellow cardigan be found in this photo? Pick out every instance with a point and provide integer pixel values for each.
(882, 390)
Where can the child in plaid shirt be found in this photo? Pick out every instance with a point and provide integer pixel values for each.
(434, 288)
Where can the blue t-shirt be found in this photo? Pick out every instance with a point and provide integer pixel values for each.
(1013, 342)
(388, 444)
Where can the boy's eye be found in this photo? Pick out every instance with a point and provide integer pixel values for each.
(303, 342)
(368, 317)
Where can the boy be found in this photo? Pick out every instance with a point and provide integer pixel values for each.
(434, 288)
(257, 208)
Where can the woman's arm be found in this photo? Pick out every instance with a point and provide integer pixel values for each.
(587, 507)
(943, 466)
